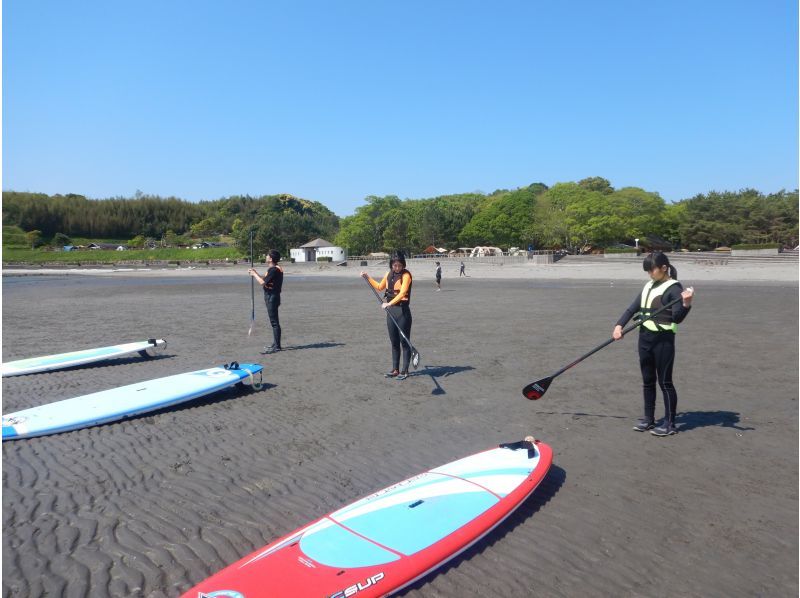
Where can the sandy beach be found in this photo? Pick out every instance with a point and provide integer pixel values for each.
(152, 505)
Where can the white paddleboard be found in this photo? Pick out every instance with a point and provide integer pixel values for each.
(47, 363)
(125, 401)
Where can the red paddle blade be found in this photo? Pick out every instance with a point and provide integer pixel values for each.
(535, 390)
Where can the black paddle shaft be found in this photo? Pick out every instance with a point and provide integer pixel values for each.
(414, 352)
(252, 289)
(535, 390)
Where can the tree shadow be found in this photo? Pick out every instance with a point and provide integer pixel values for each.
(441, 371)
(313, 346)
(689, 420)
(547, 489)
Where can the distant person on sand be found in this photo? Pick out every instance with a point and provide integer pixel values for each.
(438, 276)
(657, 339)
(272, 282)
(396, 285)
(461, 271)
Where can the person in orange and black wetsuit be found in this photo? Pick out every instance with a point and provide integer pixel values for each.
(397, 286)
(272, 284)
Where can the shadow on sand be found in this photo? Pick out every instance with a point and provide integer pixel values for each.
(690, 420)
(441, 371)
(313, 346)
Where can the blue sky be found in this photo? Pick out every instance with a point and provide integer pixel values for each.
(335, 101)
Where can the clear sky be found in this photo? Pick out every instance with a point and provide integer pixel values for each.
(337, 100)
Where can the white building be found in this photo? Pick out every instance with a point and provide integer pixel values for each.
(318, 248)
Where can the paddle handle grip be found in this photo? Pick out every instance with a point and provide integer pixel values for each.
(636, 324)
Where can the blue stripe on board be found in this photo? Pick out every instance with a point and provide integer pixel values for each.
(9, 432)
(409, 530)
(429, 480)
(336, 547)
(66, 357)
(523, 471)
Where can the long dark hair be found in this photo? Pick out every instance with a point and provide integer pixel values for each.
(656, 260)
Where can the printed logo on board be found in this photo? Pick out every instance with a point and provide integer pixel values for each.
(217, 373)
(13, 420)
(358, 587)
(220, 594)
(306, 562)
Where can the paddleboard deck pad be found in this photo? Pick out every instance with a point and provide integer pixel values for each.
(390, 539)
(125, 401)
(48, 363)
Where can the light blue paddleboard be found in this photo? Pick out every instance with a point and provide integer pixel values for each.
(66, 360)
(125, 401)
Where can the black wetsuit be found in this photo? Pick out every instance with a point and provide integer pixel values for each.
(657, 353)
(402, 313)
(273, 284)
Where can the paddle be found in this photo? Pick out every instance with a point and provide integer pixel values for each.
(414, 352)
(536, 390)
(252, 291)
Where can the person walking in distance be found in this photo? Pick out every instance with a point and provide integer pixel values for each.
(272, 283)
(461, 271)
(438, 276)
(657, 339)
(396, 285)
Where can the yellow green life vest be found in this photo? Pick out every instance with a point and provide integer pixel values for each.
(651, 301)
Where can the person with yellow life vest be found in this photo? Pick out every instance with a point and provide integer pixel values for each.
(396, 285)
(272, 283)
(657, 339)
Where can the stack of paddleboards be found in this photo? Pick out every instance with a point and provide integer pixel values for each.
(117, 403)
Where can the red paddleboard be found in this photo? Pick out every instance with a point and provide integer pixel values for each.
(392, 538)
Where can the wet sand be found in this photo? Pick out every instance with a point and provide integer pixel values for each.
(153, 505)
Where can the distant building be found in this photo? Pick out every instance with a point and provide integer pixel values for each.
(106, 246)
(316, 249)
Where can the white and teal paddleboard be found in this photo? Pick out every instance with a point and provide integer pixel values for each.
(125, 401)
(47, 363)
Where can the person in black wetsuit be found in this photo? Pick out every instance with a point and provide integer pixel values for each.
(397, 286)
(272, 282)
(657, 339)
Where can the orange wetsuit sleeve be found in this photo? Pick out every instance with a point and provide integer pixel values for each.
(405, 284)
(379, 286)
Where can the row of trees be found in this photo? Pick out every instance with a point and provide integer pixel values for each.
(571, 215)
(589, 212)
(278, 221)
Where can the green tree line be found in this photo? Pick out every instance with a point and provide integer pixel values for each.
(567, 215)
(278, 221)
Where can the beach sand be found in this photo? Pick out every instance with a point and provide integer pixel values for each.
(155, 504)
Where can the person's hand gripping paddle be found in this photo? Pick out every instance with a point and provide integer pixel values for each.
(535, 390)
(414, 352)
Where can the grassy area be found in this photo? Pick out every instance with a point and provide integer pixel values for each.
(99, 256)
